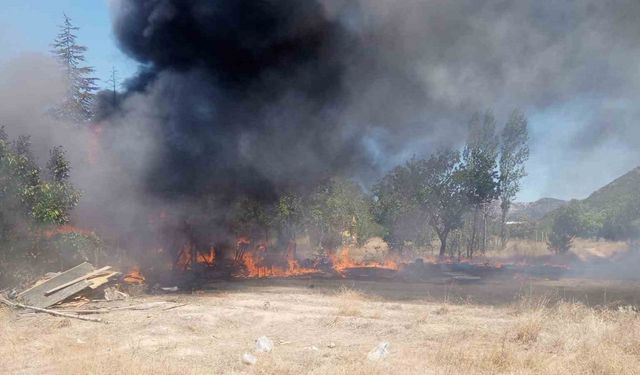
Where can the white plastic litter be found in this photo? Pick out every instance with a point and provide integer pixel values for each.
(264, 344)
(379, 352)
(249, 359)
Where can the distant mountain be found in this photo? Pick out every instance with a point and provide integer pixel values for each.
(533, 211)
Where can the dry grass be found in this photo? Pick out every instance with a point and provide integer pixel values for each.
(350, 301)
(521, 248)
(528, 328)
(582, 249)
(208, 336)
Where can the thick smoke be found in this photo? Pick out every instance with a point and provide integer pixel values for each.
(249, 97)
(248, 94)
(256, 96)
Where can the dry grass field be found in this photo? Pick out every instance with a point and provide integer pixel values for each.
(329, 326)
(582, 248)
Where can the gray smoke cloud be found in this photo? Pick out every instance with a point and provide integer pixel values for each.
(571, 66)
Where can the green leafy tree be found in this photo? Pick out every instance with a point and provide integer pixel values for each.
(53, 201)
(77, 105)
(48, 201)
(398, 208)
(253, 217)
(29, 203)
(58, 166)
(514, 153)
(443, 193)
(340, 211)
(564, 227)
(480, 171)
(54, 198)
(433, 188)
(13, 185)
(26, 167)
(289, 217)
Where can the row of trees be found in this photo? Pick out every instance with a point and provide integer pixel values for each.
(337, 212)
(454, 190)
(577, 219)
(450, 191)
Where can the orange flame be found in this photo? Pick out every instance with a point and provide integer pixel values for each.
(186, 254)
(254, 267)
(256, 261)
(208, 258)
(342, 261)
(134, 276)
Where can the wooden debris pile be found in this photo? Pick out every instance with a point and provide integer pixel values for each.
(73, 287)
(78, 280)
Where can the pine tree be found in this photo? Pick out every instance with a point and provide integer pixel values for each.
(81, 86)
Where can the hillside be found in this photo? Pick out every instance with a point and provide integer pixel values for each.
(622, 192)
(611, 212)
(533, 211)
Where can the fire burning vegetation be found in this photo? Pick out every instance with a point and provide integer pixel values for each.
(256, 262)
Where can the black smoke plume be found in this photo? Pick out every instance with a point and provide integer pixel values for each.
(249, 94)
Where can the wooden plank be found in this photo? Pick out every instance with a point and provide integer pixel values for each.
(35, 296)
(78, 279)
(50, 300)
(35, 285)
(97, 282)
(77, 271)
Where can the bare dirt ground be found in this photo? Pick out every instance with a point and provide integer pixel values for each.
(329, 326)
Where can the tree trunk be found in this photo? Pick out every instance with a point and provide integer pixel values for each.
(503, 228)
(484, 230)
(443, 243)
(474, 229)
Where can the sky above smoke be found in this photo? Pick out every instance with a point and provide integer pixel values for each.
(276, 93)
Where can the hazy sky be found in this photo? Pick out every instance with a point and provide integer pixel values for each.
(578, 144)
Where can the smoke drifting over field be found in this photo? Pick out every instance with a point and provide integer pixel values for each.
(254, 97)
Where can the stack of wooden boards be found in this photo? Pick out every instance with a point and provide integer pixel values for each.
(65, 285)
